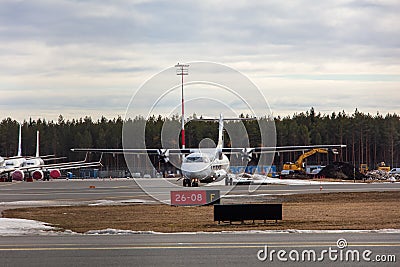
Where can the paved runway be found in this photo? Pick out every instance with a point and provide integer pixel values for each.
(62, 192)
(196, 249)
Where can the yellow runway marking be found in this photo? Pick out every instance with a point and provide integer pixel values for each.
(191, 246)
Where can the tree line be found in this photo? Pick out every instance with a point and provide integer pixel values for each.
(369, 138)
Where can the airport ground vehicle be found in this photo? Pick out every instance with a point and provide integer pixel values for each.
(394, 171)
(381, 166)
(364, 168)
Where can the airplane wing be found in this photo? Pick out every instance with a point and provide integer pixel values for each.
(68, 165)
(45, 157)
(60, 166)
(166, 151)
(277, 149)
(78, 166)
(135, 150)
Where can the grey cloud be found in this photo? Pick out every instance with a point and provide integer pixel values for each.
(301, 22)
(308, 28)
(67, 22)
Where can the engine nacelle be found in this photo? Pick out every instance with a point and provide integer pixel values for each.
(37, 175)
(55, 173)
(163, 155)
(18, 175)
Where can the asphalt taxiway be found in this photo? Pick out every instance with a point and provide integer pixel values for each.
(75, 192)
(223, 249)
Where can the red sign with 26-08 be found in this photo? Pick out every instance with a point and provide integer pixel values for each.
(188, 197)
(194, 197)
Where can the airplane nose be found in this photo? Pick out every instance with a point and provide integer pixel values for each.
(196, 170)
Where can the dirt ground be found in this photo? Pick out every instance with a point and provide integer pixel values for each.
(375, 210)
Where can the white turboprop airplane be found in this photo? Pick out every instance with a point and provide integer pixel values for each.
(206, 164)
(16, 167)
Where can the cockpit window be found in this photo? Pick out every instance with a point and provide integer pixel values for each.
(197, 159)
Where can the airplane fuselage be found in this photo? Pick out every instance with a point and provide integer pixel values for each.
(34, 162)
(14, 163)
(13, 166)
(205, 166)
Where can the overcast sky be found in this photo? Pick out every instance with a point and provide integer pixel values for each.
(87, 58)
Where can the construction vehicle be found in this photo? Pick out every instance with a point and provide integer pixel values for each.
(363, 168)
(299, 167)
(381, 166)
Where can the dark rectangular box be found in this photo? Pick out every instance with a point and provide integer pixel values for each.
(241, 212)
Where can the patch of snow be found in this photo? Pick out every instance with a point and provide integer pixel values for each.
(261, 179)
(288, 231)
(21, 227)
(269, 180)
(104, 202)
(110, 231)
(221, 182)
(28, 203)
(17, 227)
(137, 201)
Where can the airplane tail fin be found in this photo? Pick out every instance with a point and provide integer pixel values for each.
(19, 142)
(221, 120)
(220, 132)
(37, 144)
(220, 143)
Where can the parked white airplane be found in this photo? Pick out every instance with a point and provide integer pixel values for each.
(12, 163)
(19, 161)
(16, 167)
(206, 164)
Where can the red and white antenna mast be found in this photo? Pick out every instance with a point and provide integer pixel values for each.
(182, 69)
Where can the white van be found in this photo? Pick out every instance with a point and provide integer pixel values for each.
(395, 171)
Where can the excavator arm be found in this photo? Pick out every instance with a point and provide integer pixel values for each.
(300, 160)
(298, 165)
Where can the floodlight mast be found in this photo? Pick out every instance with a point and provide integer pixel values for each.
(182, 69)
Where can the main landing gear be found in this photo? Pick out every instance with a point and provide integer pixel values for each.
(194, 182)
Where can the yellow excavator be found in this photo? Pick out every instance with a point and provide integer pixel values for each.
(298, 166)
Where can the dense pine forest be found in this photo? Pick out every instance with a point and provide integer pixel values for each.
(369, 138)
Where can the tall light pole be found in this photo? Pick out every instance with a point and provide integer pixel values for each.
(182, 69)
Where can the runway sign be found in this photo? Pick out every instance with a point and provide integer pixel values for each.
(194, 197)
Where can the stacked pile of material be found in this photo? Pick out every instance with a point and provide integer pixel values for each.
(341, 170)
